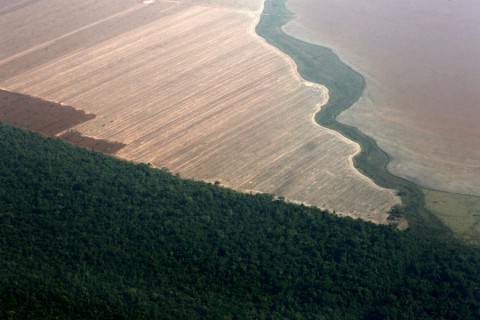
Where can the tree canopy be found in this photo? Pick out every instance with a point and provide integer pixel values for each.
(87, 236)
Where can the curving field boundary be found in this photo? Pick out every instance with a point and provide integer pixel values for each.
(321, 65)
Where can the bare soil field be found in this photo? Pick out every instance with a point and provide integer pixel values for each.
(35, 114)
(99, 145)
(50, 119)
(190, 87)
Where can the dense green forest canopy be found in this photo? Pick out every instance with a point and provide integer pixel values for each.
(86, 236)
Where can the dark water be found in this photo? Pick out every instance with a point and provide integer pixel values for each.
(421, 60)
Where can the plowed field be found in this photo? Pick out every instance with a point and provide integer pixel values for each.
(190, 87)
(50, 119)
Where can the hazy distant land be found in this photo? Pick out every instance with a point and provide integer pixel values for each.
(420, 61)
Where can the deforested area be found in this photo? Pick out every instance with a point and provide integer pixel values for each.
(189, 86)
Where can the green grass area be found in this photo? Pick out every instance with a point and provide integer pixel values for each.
(459, 212)
(320, 65)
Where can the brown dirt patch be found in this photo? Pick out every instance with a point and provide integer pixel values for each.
(99, 145)
(50, 118)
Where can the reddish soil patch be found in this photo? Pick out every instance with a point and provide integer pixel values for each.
(49, 118)
(35, 114)
(99, 145)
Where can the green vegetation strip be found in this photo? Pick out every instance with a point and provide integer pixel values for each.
(459, 212)
(87, 236)
(320, 65)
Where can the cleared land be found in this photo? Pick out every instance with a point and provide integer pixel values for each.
(193, 89)
(50, 119)
(35, 114)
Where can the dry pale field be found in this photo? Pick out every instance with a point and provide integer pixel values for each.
(421, 64)
(190, 87)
